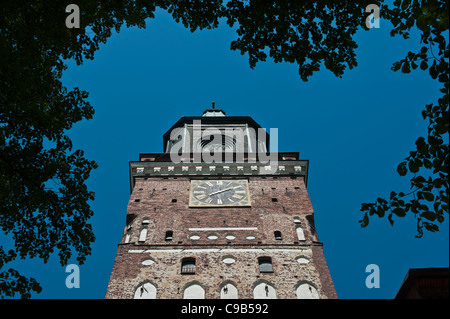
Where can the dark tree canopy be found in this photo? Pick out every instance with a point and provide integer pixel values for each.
(44, 201)
(428, 164)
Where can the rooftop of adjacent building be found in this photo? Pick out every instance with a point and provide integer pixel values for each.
(425, 283)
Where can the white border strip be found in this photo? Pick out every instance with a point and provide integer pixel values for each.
(222, 228)
(225, 250)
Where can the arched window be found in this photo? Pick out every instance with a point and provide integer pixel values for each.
(300, 233)
(188, 266)
(217, 142)
(264, 290)
(194, 291)
(145, 291)
(228, 291)
(307, 291)
(143, 234)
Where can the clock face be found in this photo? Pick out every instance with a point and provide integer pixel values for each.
(216, 193)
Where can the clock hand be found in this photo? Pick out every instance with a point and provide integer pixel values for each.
(219, 191)
(223, 190)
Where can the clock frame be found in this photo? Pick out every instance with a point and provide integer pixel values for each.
(219, 193)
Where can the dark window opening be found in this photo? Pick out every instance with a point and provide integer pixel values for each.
(274, 200)
(169, 235)
(277, 235)
(188, 266)
(265, 265)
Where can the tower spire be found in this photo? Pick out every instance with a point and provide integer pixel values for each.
(213, 111)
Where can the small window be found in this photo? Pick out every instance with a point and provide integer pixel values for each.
(137, 200)
(277, 235)
(300, 233)
(148, 262)
(169, 235)
(274, 200)
(188, 266)
(143, 235)
(228, 260)
(265, 265)
(174, 200)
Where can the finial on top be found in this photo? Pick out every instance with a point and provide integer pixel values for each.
(213, 111)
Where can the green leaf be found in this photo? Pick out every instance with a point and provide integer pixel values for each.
(441, 129)
(405, 4)
(433, 72)
(431, 227)
(396, 66)
(429, 215)
(423, 65)
(413, 167)
(365, 221)
(400, 212)
(443, 78)
(419, 179)
(428, 196)
(380, 212)
(401, 169)
(406, 68)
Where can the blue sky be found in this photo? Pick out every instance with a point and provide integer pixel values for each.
(354, 131)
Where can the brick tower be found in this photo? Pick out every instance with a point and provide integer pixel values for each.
(217, 216)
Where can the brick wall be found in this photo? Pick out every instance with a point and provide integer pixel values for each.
(152, 202)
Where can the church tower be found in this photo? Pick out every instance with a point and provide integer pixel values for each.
(218, 216)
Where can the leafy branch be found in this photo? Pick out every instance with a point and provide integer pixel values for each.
(429, 162)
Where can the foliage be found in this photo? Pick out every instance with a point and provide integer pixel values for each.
(429, 162)
(307, 33)
(44, 201)
(43, 196)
